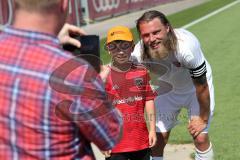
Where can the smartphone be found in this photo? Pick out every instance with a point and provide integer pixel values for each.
(89, 50)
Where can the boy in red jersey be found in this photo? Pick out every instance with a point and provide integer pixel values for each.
(127, 86)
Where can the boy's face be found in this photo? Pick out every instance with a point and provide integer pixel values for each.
(120, 51)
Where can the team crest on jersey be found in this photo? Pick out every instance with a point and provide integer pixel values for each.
(138, 82)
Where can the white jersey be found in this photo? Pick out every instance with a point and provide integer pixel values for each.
(172, 80)
(187, 63)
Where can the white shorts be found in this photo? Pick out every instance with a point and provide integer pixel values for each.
(168, 107)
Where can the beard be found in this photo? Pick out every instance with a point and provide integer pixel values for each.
(159, 53)
(166, 46)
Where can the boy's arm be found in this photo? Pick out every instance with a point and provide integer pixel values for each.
(151, 120)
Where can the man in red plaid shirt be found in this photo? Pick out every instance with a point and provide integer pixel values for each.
(51, 105)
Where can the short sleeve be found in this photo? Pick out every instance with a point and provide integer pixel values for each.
(190, 53)
(150, 94)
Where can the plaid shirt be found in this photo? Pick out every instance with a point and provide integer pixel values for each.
(37, 86)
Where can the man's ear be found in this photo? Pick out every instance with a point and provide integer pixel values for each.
(64, 5)
(168, 28)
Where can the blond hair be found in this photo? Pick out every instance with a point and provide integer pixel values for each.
(36, 5)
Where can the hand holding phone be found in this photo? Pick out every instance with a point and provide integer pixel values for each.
(89, 50)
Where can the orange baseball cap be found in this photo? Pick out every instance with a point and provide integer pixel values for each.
(119, 33)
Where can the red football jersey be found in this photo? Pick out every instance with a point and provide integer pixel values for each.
(129, 91)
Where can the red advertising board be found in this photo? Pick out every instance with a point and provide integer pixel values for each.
(75, 13)
(6, 10)
(99, 9)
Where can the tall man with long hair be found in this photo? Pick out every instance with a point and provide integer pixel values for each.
(182, 77)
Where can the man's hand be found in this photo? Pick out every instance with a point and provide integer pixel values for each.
(107, 153)
(152, 139)
(196, 126)
(66, 31)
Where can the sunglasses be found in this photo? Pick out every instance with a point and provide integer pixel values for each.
(118, 45)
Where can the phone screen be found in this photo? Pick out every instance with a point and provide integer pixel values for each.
(89, 50)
